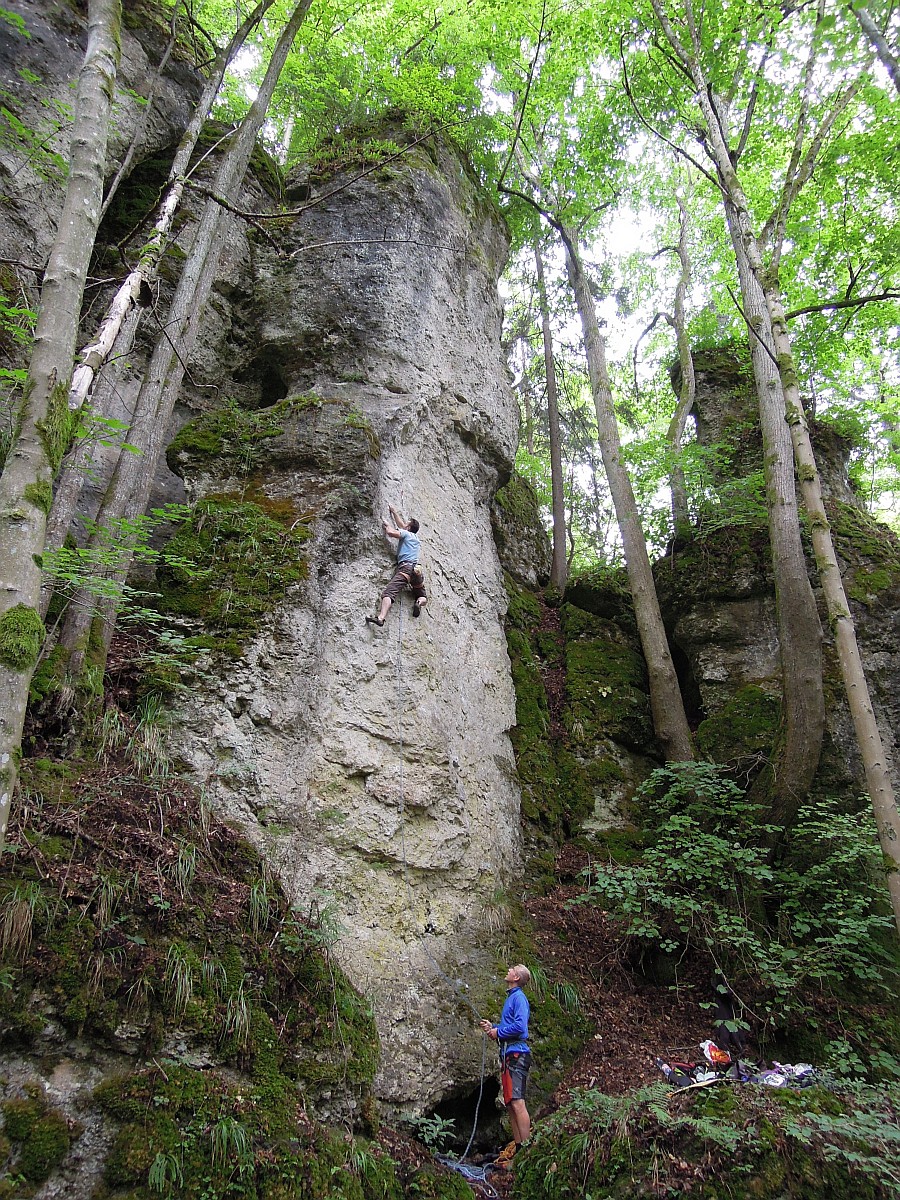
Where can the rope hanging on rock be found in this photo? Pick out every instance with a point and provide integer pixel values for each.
(456, 984)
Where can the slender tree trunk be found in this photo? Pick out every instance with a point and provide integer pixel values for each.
(669, 719)
(879, 41)
(135, 284)
(799, 631)
(526, 398)
(132, 479)
(559, 569)
(875, 762)
(45, 422)
(681, 517)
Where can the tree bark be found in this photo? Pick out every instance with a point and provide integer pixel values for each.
(667, 706)
(559, 568)
(875, 762)
(879, 41)
(94, 355)
(45, 423)
(681, 517)
(799, 632)
(132, 480)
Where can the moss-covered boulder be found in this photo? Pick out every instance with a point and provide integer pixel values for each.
(743, 1142)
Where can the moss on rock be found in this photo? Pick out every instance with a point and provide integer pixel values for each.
(742, 1143)
(22, 634)
(229, 564)
(746, 725)
(38, 1137)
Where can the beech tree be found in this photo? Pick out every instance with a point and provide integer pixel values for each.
(45, 424)
(129, 488)
(119, 326)
(559, 567)
(782, 416)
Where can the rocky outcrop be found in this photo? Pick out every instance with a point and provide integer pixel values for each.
(40, 54)
(717, 590)
(372, 766)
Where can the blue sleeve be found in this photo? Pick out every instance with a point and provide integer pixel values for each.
(514, 1018)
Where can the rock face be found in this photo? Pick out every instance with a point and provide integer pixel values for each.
(718, 597)
(374, 766)
(37, 62)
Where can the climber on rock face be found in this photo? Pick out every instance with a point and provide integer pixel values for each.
(408, 575)
(511, 1035)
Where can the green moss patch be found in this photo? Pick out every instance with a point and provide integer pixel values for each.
(22, 634)
(40, 495)
(725, 1142)
(239, 440)
(38, 1137)
(237, 560)
(607, 683)
(747, 725)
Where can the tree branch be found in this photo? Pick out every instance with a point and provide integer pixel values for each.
(524, 105)
(678, 150)
(737, 305)
(832, 305)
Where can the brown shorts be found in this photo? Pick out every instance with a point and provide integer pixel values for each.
(406, 578)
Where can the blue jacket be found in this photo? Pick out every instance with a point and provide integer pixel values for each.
(512, 1032)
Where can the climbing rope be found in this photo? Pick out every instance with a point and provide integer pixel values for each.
(455, 984)
(477, 1175)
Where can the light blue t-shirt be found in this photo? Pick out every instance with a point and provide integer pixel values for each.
(408, 548)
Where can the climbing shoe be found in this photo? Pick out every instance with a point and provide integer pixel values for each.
(375, 621)
(417, 608)
(506, 1155)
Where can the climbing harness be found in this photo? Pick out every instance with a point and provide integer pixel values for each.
(455, 984)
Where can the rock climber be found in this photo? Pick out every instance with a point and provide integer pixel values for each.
(408, 575)
(511, 1035)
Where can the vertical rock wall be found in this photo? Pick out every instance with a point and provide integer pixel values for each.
(347, 750)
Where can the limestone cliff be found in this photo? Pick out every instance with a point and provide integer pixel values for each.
(373, 767)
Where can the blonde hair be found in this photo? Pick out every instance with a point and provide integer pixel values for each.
(524, 975)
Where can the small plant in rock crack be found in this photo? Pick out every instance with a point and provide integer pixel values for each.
(179, 977)
(260, 905)
(165, 1174)
(185, 867)
(20, 906)
(229, 1139)
(434, 1131)
(237, 1017)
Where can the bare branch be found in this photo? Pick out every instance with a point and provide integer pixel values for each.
(737, 305)
(524, 105)
(833, 305)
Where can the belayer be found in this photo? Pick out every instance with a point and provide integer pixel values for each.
(511, 1035)
(408, 574)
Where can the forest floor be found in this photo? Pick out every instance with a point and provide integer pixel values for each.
(633, 1020)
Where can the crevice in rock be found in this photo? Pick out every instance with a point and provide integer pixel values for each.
(460, 1109)
(265, 378)
(694, 708)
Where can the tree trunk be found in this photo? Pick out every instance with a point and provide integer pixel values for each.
(875, 764)
(799, 631)
(132, 480)
(681, 517)
(669, 719)
(45, 422)
(94, 355)
(559, 568)
(878, 40)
